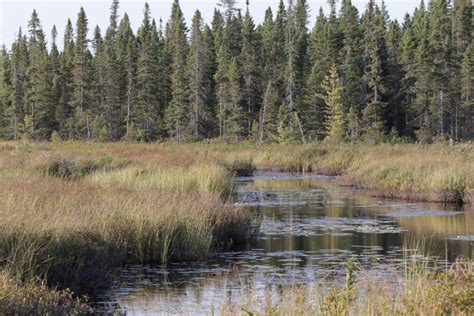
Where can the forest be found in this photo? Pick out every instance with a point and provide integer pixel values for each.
(353, 76)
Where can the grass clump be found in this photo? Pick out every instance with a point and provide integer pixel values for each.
(72, 169)
(424, 292)
(72, 234)
(37, 299)
(241, 168)
(201, 178)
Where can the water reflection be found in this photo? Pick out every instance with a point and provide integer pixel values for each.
(310, 228)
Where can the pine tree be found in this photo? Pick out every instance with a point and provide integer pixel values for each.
(296, 26)
(250, 71)
(421, 111)
(395, 113)
(268, 120)
(64, 83)
(200, 80)
(374, 57)
(5, 93)
(319, 61)
(467, 92)
(39, 94)
(239, 80)
(19, 64)
(126, 61)
(79, 124)
(236, 126)
(176, 117)
(440, 49)
(351, 57)
(335, 122)
(111, 106)
(145, 109)
(461, 39)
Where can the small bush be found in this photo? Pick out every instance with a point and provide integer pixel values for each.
(241, 168)
(71, 169)
(55, 137)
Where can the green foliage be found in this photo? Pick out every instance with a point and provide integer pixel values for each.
(414, 76)
(335, 117)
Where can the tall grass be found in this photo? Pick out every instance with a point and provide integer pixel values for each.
(449, 292)
(37, 299)
(202, 178)
(73, 234)
(71, 213)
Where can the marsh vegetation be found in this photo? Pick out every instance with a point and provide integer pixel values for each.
(72, 212)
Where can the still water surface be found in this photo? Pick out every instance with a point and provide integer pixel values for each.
(310, 228)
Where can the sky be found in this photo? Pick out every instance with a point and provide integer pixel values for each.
(16, 13)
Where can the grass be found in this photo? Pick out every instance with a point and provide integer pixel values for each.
(435, 173)
(202, 178)
(418, 292)
(71, 212)
(37, 299)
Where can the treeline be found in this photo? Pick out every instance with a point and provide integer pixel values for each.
(353, 76)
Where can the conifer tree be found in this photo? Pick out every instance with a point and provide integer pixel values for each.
(250, 70)
(239, 80)
(374, 57)
(64, 83)
(200, 80)
(319, 61)
(177, 113)
(467, 92)
(19, 64)
(268, 120)
(5, 94)
(461, 39)
(80, 123)
(335, 122)
(294, 40)
(145, 111)
(351, 57)
(38, 94)
(440, 55)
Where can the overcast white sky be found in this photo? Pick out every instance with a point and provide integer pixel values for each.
(16, 13)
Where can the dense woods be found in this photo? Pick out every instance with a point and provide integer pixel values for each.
(352, 76)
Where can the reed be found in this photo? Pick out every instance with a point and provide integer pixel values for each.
(33, 298)
(74, 234)
(424, 292)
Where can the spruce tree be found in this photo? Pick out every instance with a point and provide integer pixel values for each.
(335, 122)
(320, 63)
(145, 110)
(440, 54)
(79, 125)
(351, 57)
(64, 83)
(296, 26)
(251, 70)
(19, 64)
(374, 57)
(200, 80)
(467, 92)
(177, 113)
(39, 93)
(5, 94)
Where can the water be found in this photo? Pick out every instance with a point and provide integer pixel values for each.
(310, 228)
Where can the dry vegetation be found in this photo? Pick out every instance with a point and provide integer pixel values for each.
(420, 291)
(71, 212)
